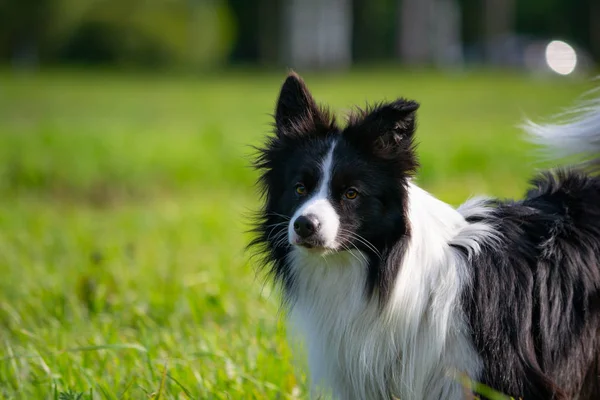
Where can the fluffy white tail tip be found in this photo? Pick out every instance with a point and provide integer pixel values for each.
(577, 134)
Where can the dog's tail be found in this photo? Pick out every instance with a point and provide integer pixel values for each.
(575, 137)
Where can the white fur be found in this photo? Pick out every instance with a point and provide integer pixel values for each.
(320, 206)
(413, 346)
(577, 134)
(473, 235)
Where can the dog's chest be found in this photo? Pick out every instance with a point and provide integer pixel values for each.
(362, 351)
(342, 330)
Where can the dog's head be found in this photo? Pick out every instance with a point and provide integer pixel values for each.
(329, 188)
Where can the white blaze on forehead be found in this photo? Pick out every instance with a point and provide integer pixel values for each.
(320, 206)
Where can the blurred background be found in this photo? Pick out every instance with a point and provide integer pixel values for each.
(315, 34)
(126, 134)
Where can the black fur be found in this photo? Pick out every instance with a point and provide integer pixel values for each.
(374, 152)
(534, 305)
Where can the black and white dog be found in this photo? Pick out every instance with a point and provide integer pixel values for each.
(395, 292)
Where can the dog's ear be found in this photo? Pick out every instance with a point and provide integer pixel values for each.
(387, 122)
(385, 127)
(386, 131)
(297, 112)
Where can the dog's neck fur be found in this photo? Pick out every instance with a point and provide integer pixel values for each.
(411, 347)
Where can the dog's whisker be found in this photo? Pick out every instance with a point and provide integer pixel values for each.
(350, 252)
(360, 253)
(287, 218)
(282, 241)
(279, 235)
(362, 240)
(273, 227)
(277, 224)
(370, 247)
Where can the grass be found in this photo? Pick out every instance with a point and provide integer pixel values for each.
(122, 269)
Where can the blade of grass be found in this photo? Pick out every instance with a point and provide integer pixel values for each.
(163, 379)
(116, 346)
(13, 363)
(185, 390)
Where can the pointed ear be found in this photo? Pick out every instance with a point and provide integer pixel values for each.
(388, 121)
(385, 126)
(297, 112)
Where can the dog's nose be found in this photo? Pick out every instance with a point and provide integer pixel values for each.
(306, 225)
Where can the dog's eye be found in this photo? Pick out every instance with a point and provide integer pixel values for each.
(300, 189)
(351, 194)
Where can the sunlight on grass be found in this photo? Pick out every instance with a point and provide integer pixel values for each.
(122, 220)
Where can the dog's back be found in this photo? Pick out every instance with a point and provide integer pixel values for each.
(534, 302)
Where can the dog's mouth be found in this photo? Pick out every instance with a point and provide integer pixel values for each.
(314, 244)
(309, 243)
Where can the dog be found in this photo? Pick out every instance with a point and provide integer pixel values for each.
(399, 295)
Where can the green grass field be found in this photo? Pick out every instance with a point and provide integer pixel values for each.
(122, 218)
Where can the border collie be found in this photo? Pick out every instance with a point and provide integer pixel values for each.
(396, 293)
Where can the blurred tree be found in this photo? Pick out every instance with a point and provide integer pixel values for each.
(138, 32)
(317, 33)
(258, 36)
(373, 29)
(302, 33)
(498, 25)
(247, 18)
(430, 32)
(270, 37)
(595, 29)
(23, 26)
(471, 28)
(152, 32)
(447, 34)
(414, 41)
